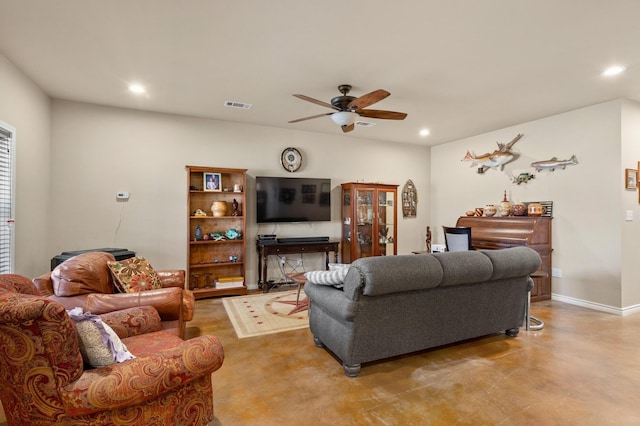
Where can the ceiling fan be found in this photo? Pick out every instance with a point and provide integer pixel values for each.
(349, 108)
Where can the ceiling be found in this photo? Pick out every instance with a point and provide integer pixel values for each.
(457, 67)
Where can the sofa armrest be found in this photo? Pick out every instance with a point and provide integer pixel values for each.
(44, 284)
(175, 278)
(154, 375)
(133, 321)
(188, 305)
(172, 278)
(167, 301)
(331, 300)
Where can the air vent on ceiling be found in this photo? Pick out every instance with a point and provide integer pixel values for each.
(365, 123)
(241, 105)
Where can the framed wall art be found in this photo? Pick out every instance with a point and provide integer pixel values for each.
(631, 178)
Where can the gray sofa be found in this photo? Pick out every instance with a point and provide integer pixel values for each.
(396, 305)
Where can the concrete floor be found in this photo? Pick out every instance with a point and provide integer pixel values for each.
(582, 368)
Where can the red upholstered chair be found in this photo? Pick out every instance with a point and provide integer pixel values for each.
(44, 381)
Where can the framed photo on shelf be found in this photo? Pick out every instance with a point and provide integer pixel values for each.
(212, 182)
(631, 178)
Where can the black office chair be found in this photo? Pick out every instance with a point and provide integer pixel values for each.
(457, 238)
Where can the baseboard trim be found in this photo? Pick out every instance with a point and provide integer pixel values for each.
(596, 306)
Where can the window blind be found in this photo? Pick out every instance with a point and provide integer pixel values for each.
(6, 202)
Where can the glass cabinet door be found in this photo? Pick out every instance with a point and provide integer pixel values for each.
(347, 236)
(369, 216)
(385, 222)
(364, 223)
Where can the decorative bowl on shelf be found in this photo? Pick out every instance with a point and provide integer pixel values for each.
(519, 209)
(232, 234)
(490, 210)
(219, 208)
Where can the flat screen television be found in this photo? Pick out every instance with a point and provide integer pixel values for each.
(284, 199)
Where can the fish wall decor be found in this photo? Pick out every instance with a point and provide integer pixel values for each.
(496, 159)
(554, 163)
(523, 178)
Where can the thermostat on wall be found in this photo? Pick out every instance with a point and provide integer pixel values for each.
(122, 195)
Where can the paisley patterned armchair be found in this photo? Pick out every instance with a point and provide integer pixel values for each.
(45, 382)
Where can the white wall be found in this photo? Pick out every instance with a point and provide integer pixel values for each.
(588, 218)
(98, 151)
(26, 108)
(630, 156)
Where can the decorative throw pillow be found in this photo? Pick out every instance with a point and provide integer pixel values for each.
(134, 274)
(338, 266)
(99, 344)
(333, 277)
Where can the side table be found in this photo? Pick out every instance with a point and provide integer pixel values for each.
(300, 279)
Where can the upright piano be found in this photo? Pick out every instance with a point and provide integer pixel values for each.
(493, 233)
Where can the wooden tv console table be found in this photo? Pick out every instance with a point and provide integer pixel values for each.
(268, 248)
(511, 231)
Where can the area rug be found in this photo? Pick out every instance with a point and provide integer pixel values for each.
(267, 313)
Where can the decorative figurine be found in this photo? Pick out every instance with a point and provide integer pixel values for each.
(428, 239)
(235, 208)
(504, 208)
(198, 233)
(232, 234)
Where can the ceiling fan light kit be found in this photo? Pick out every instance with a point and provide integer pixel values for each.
(348, 108)
(344, 118)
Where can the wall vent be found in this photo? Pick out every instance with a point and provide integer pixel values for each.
(241, 105)
(365, 123)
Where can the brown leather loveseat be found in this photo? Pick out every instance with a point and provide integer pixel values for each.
(85, 281)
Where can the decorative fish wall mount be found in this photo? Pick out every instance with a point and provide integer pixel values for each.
(554, 163)
(523, 178)
(496, 159)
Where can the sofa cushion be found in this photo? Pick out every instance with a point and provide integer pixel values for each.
(82, 274)
(134, 274)
(99, 344)
(512, 263)
(464, 267)
(392, 274)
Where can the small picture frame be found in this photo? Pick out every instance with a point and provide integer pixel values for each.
(212, 182)
(631, 178)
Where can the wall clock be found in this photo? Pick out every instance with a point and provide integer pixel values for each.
(291, 159)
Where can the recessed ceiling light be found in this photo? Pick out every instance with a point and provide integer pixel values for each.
(424, 132)
(614, 70)
(137, 89)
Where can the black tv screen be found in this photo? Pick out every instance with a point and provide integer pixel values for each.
(282, 199)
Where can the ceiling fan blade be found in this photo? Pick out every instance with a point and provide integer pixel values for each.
(348, 128)
(315, 101)
(386, 115)
(368, 99)
(309, 118)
